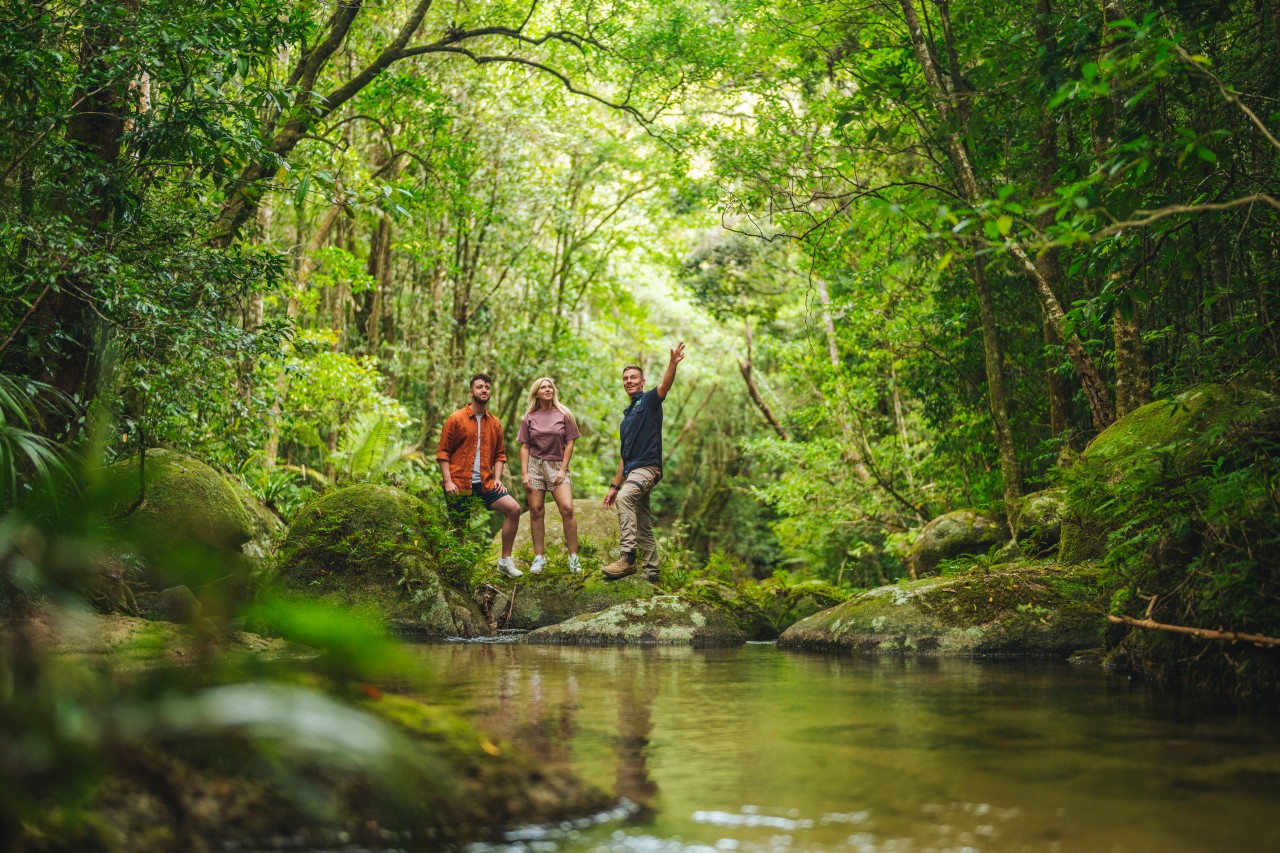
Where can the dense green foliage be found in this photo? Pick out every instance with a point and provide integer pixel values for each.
(921, 254)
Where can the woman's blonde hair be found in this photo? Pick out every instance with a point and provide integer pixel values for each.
(555, 397)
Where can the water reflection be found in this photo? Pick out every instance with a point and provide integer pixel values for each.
(637, 687)
(756, 750)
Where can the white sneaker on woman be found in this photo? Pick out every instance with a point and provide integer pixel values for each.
(539, 562)
(507, 565)
(575, 565)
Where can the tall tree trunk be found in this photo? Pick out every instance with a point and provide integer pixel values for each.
(372, 304)
(1133, 387)
(68, 314)
(828, 322)
(955, 109)
(957, 152)
(1048, 260)
(993, 362)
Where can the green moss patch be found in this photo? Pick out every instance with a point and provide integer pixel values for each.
(184, 499)
(384, 553)
(659, 620)
(1021, 610)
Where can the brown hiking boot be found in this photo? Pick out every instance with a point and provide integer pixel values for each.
(619, 568)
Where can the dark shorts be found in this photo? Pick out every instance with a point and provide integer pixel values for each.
(461, 506)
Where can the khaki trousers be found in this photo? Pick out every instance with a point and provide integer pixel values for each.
(634, 519)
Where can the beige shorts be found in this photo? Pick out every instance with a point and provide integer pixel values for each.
(542, 473)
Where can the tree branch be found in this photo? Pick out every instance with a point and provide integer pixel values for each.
(1199, 633)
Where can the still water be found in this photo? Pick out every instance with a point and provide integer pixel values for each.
(753, 749)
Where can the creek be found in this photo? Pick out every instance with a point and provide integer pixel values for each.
(753, 749)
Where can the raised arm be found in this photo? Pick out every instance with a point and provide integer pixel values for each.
(669, 377)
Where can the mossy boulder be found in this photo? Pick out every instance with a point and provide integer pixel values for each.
(1039, 520)
(955, 534)
(1023, 610)
(377, 549)
(189, 525)
(665, 620)
(551, 597)
(489, 787)
(184, 499)
(1181, 432)
(742, 612)
(267, 528)
(533, 600)
(338, 773)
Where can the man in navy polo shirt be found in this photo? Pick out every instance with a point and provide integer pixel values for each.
(640, 469)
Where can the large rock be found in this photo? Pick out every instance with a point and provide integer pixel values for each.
(535, 601)
(1023, 611)
(661, 620)
(953, 535)
(184, 499)
(742, 612)
(266, 528)
(382, 552)
(1182, 432)
(1039, 520)
(189, 526)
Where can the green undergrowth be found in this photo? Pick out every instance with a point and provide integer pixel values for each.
(1184, 495)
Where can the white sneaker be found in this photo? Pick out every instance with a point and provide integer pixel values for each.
(539, 562)
(575, 565)
(507, 565)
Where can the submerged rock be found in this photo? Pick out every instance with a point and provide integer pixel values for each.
(374, 549)
(660, 620)
(1019, 611)
(953, 535)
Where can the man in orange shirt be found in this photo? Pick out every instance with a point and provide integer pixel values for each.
(472, 454)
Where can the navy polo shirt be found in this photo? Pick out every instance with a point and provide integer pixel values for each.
(642, 432)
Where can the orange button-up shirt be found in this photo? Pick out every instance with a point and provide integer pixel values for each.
(458, 448)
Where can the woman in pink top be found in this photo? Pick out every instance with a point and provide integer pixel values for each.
(546, 438)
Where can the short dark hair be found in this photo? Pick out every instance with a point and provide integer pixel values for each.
(633, 367)
(486, 377)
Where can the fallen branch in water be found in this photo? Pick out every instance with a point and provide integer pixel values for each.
(1202, 633)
